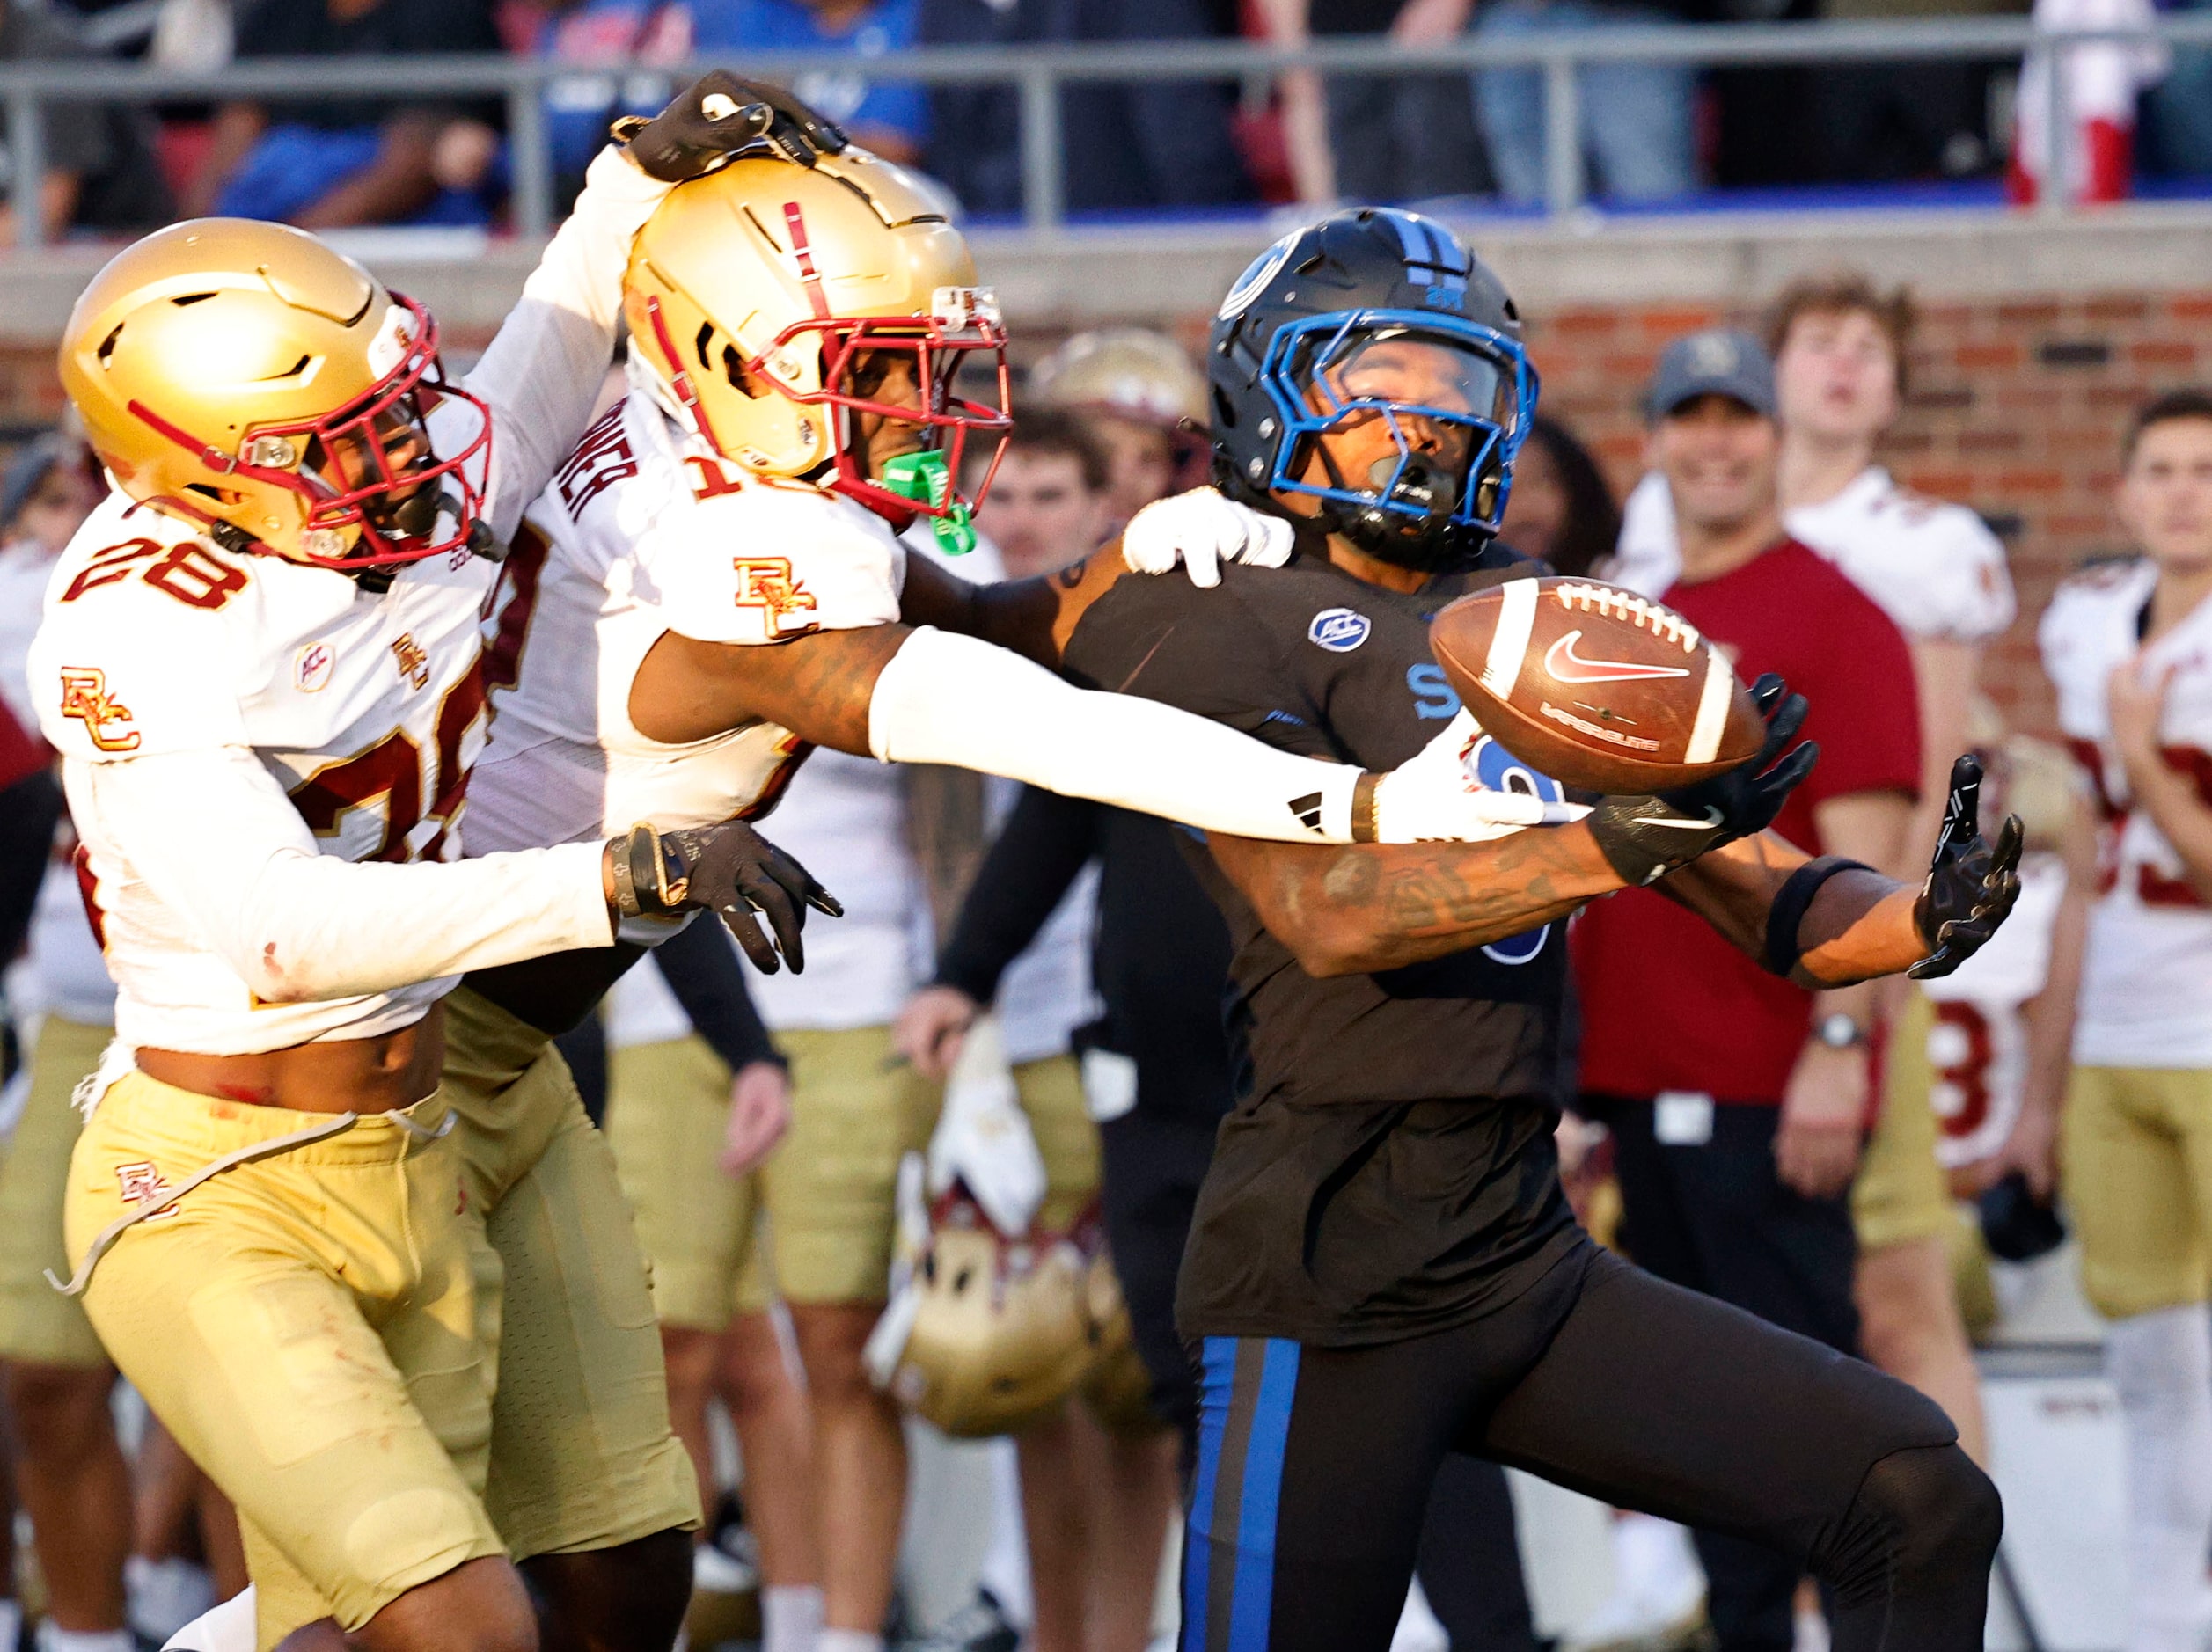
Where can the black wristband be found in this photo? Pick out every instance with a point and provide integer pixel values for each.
(1782, 951)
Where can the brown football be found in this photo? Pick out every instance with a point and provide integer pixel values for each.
(1596, 686)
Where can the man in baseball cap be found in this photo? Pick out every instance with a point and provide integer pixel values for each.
(1718, 361)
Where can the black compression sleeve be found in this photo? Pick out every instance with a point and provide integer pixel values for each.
(701, 970)
(1045, 844)
(29, 810)
(1788, 911)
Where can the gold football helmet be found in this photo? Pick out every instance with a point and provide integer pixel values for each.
(1000, 1331)
(1117, 1388)
(245, 376)
(1132, 372)
(768, 300)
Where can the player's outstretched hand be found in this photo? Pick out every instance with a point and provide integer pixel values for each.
(1646, 838)
(1200, 531)
(1434, 796)
(719, 117)
(1971, 883)
(726, 869)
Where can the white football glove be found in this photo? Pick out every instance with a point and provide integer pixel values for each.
(983, 1138)
(229, 1628)
(1200, 531)
(887, 1341)
(1435, 797)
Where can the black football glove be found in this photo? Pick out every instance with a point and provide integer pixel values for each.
(726, 869)
(1971, 884)
(1644, 838)
(719, 117)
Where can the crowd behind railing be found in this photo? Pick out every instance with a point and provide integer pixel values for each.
(1650, 128)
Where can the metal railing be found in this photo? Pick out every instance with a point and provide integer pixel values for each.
(1039, 72)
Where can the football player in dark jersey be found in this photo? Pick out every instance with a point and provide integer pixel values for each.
(1383, 1269)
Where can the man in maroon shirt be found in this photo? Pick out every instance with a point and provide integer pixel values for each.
(1738, 1101)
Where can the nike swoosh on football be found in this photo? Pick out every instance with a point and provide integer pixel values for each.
(1566, 666)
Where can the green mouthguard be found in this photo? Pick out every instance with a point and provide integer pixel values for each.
(926, 479)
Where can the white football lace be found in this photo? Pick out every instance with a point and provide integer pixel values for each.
(1612, 602)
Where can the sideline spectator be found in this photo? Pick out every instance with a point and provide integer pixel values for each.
(2128, 647)
(326, 162)
(101, 171)
(1560, 510)
(888, 117)
(1392, 137)
(1125, 147)
(1736, 1134)
(1142, 401)
(1939, 573)
(1636, 135)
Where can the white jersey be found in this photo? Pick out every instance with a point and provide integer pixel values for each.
(63, 973)
(235, 727)
(644, 532)
(1977, 1044)
(2146, 996)
(1934, 568)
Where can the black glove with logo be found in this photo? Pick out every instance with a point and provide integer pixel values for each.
(1971, 884)
(719, 117)
(727, 868)
(1644, 838)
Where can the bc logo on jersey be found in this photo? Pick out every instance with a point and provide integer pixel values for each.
(106, 720)
(765, 583)
(1338, 630)
(1498, 770)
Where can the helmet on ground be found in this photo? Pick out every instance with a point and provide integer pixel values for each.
(245, 376)
(1118, 1388)
(767, 301)
(1373, 314)
(1132, 372)
(1000, 1333)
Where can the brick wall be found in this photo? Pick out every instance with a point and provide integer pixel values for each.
(2015, 408)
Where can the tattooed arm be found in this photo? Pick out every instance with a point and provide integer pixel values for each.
(1355, 910)
(1034, 616)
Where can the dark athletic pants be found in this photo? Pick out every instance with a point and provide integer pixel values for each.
(1315, 1464)
(1470, 1560)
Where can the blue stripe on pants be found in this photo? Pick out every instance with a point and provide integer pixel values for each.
(1246, 1428)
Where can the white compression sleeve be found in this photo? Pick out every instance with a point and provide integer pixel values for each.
(541, 373)
(239, 865)
(951, 699)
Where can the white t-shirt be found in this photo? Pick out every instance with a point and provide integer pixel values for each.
(1934, 568)
(2146, 997)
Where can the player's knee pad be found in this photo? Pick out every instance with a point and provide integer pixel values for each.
(1926, 1514)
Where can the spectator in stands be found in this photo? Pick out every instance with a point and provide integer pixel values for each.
(1392, 137)
(325, 162)
(1142, 402)
(1561, 509)
(1125, 147)
(1736, 1099)
(595, 35)
(100, 173)
(1635, 131)
(888, 117)
(1939, 573)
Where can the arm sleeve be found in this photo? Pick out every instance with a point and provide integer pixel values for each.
(541, 374)
(1047, 840)
(241, 868)
(702, 970)
(952, 699)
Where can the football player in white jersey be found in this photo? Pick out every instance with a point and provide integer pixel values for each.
(796, 335)
(261, 661)
(2128, 647)
(1840, 349)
